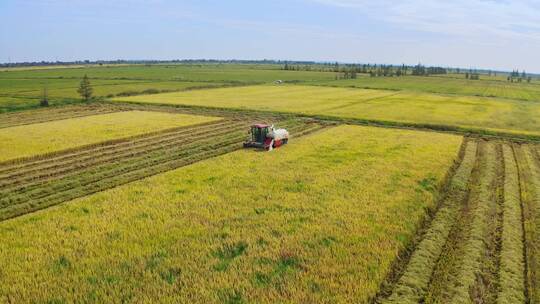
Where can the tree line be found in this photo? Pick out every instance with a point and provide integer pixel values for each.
(350, 71)
(515, 76)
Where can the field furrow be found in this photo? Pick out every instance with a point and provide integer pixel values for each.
(413, 284)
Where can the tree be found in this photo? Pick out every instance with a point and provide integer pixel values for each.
(44, 101)
(85, 89)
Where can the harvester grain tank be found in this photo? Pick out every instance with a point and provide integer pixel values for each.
(266, 137)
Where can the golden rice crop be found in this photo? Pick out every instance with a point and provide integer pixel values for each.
(470, 112)
(321, 219)
(39, 138)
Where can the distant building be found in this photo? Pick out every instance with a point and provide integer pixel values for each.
(278, 82)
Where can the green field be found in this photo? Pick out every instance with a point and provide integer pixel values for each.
(21, 88)
(329, 221)
(488, 87)
(467, 112)
(184, 72)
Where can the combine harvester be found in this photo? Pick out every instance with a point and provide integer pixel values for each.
(263, 136)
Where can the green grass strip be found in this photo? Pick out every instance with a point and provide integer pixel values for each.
(414, 282)
(512, 269)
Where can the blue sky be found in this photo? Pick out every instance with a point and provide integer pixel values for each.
(498, 34)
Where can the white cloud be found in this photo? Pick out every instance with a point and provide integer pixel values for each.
(461, 18)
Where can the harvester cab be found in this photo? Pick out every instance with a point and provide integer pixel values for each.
(266, 137)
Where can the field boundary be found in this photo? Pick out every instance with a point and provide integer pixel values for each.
(462, 131)
(404, 256)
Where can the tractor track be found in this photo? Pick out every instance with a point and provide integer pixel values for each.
(28, 185)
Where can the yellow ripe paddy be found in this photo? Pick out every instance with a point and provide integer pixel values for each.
(30, 140)
(320, 220)
(470, 112)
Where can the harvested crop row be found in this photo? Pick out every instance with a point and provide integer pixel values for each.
(58, 166)
(26, 142)
(44, 115)
(468, 253)
(110, 174)
(414, 282)
(36, 191)
(59, 169)
(33, 191)
(43, 160)
(470, 283)
(512, 268)
(529, 173)
(70, 192)
(103, 171)
(158, 150)
(67, 190)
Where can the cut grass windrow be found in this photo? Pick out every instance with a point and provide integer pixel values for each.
(110, 172)
(529, 174)
(59, 166)
(512, 268)
(54, 113)
(35, 191)
(63, 170)
(413, 284)
(162, 151)
(465, 267)
(472, 284)
(18, 164)
(97, 183)
(106, 170)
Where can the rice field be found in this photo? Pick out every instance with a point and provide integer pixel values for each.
(30, 140)
(481, 244)
(420, 109)
(453, 84)
(220, 231)
(21, 88)
(390, 190)
(101, 88)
